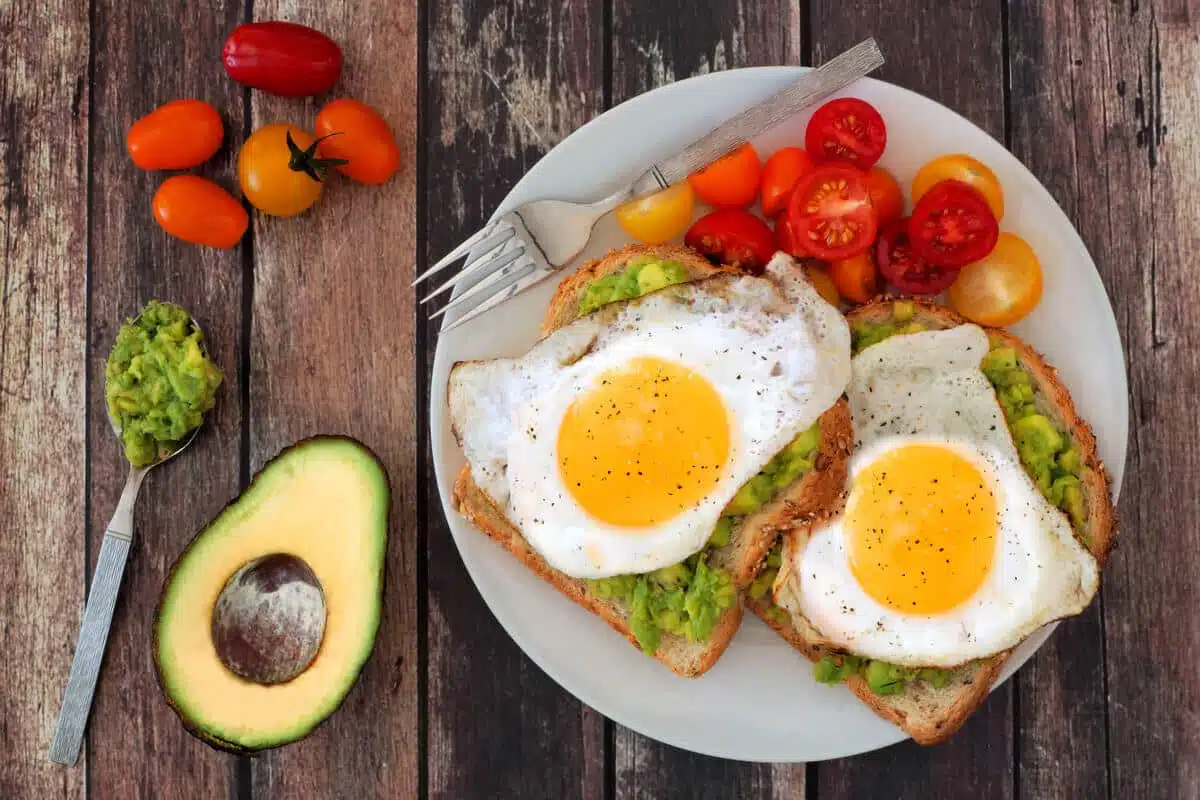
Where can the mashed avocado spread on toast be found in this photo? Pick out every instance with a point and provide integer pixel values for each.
(641, 275)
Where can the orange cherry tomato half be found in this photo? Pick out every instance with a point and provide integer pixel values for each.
(177, 135)
(731, 181)
(846, 129)
(855, 278)
(786, 239)
(824, 285)
(732, 237)
(358, 134)
(1002, 288)
(886, 196)
(658, 217)
(830, 213)
(781, 173)
(199, 211)
(964, 169)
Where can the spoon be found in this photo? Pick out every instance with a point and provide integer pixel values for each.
(97, 614)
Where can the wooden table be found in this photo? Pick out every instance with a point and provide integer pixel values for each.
(314, 324)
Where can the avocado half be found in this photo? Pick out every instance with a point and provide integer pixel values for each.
(325, 501)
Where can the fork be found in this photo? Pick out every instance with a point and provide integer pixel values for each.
(518, 249)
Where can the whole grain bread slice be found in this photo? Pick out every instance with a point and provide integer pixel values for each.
(927, 713)
(752, 537)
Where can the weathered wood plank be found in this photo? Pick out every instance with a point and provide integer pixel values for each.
(145, 55)
(43, 331)
(1104, 103)
(332, 352)
(654, 44)
(928, 44)
(1062, 87)
(506, 82)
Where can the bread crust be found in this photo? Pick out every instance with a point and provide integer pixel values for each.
(927, 714)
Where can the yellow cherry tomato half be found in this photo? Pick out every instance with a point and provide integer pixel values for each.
(824, 285)
(965, 169)
(1001, 288)
(658, 217)
(272, 178)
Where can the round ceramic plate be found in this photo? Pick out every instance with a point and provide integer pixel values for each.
(759, 703)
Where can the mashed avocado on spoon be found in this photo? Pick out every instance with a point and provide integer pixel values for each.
(158, 381)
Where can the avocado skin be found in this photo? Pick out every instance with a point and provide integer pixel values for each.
(199, 733)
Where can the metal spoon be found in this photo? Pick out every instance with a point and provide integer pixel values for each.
(97, 614)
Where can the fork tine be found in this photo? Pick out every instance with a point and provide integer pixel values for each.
(472, 268)
(528, 281)
(491, 279)
(455, 254)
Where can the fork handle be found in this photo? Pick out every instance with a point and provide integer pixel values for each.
(93, 632)
(812, 87)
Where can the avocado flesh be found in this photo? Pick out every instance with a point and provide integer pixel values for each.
(324, 500)
(641, 275)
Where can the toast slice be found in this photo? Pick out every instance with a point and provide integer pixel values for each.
(932, 714)
(751, 537)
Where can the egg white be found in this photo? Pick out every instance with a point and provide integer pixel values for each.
(773, 350)
(927, 388)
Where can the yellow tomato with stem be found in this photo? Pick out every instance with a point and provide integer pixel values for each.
(279, 170)
(964, 169)
(659, 217)
(1002, 287)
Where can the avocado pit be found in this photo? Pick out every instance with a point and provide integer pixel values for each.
(269, 619)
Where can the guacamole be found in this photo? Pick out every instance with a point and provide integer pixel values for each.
(158, 381)
(642, 274)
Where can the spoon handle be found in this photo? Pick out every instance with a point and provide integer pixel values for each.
(93, 633)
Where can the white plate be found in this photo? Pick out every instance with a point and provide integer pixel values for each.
(759, 703)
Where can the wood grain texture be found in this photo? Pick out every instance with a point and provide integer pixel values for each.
(1115, 83)
(506, 82)
(1061, 84)
(145, 55)
(927, 45)
(43, 329)
(332, 352)
(654, 44)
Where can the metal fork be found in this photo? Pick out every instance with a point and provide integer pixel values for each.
(520, 248)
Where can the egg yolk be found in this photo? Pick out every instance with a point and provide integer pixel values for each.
(647, 442)
(921, 525)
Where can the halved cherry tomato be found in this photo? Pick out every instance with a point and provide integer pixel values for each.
(886, 196)
(855, 278)
(781, 173)
(903, 268)
(355, 132)
(846, 129)
(278, 176)
(199, 211)
(831, 214)
(824, 285)
(785, 238)
(177, 135)
(658, 217)
(964, 168)
(282, 58)
(951, 226)
(731, 181)
(1003, 287)
(732, 237)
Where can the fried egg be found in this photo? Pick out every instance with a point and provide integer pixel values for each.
(615, 442)
(946, 550)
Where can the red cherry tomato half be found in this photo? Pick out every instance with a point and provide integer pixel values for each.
(952, 225)
(733, 237)
(846, 129)
(782, 172)
(903, 268)
(831, 213)
(282, 58)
